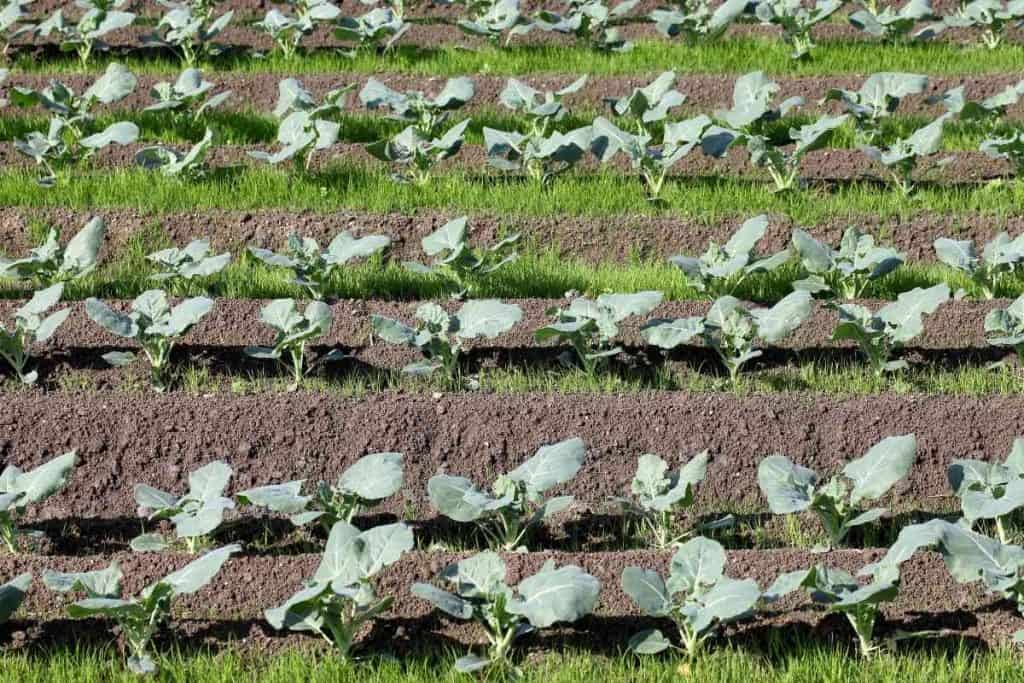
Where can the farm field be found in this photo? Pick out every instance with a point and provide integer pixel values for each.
(510, 339)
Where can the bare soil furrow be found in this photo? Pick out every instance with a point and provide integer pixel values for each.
(128, 438)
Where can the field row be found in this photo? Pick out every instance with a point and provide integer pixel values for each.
(930, 599)
(644, 136)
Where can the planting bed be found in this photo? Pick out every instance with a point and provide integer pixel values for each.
(433, 368)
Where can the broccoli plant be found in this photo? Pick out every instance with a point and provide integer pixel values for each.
(878, 98)
(782, 164)
(362, 486)
(591, 326)
(968, 555)
(796, 21)
(1005, 327)
(288, 29)
(190, 29)
(12, 594)
(889, 23)
(552, 595)
(508, 514)
(591, 22)
(697, 597)
(196, 515)
(752, 108)
(381, 24)
(541, 152)
(140, 618)
(195, 260)
(999, 259)
(845, 272)
(491, 18)
(732, 330)
(843, 594)
(304, 127)
(31, 326)
(695, 21)
(13, 24)
(990, 490)
(423, 143)
(651, 161)
(189, 95)
(341, 597)
(154, 324)
(20, 489)
(49, 263)
(793, 488)
(427, 114)
(986, 113)
(1010, 148)
(722, 269)
(990, 17)
(413, 156)
(901, 157)
(100, 18)
(879, 335)
(65, 141)
(313, 268)
(456, 261)
(190, 164)
(642, 109)
(439, 336)
(650, 104)
(659, 495)
(294, 331)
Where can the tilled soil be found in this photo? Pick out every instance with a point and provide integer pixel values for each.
(704, 92)
(128, 438)
(930, 599)
(608, 239)
(820, 168)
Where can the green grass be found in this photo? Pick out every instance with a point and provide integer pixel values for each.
(344, 184)
(731, 56)
(781, 658)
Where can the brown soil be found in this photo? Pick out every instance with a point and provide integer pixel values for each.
(930, 599)
(273, 437)
(609, 239)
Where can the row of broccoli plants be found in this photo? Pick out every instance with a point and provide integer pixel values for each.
(640, 128)
(590, 327)
(508, 513)
(697, 596)
(191, 28)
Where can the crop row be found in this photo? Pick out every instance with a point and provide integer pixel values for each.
(697, 597)
(191, 29)
(589, 327)
(641, 132)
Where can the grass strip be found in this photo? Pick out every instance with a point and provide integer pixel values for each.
(777, 656)
(734, 55)
(345, 184)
